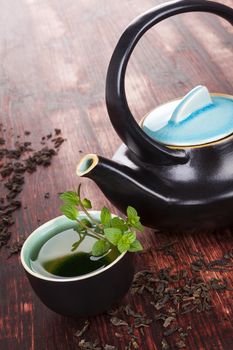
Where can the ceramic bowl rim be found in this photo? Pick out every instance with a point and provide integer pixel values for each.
(62, 279)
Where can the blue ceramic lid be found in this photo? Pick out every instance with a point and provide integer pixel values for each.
(198, 118)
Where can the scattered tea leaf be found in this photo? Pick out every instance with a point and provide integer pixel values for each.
(165, 345)
(168, 321)
(15, 163)
(118, 335)
(134, 344)
(115, 311)
(81, 331)
(142, 322)
(118, 322)
(88, 345)
(170, 331)
(180, 344)
(129, 312)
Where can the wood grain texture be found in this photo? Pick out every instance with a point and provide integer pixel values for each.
(54, 56)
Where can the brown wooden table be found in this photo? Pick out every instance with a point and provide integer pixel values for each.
(54, 56)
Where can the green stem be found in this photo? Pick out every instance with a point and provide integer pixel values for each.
(90, 217)
(86, 211)
(93, 233)
(79, 242)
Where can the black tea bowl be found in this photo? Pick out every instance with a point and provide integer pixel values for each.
(85, 295)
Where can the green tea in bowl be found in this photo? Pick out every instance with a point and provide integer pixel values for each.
(56, 259)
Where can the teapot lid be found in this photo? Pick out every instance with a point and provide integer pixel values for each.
(198, 118)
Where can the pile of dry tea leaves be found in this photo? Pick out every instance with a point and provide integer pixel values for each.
(161, 299)
(14, 164)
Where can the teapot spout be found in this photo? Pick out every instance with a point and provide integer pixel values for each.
(86, 164)
(120, 184)
(111, 177)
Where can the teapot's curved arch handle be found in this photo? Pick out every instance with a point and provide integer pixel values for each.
(121, 117)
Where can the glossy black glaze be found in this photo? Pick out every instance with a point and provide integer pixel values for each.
(89, 296)
(189, 189)
(197, 195)
(130, 132)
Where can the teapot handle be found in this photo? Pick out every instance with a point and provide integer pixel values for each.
(121, 117)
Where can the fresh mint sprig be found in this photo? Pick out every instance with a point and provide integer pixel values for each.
(109, 231)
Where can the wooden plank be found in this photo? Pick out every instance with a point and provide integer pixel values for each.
(54, 57)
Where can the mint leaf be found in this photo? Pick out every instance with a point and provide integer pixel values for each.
(113, 234)
(100, 247)
(125, 242)
(86, 222)
(133, 219)
(123, 245)
(69, 211)
(118, 223)
(70, 197)
(135, 246)
(105, 216)
(86, 203)
(138, 226)
(130, 236)
(108, 230)
(131, 212)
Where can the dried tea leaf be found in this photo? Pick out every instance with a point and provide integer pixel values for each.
(118, 335)
(218, 284)
(117, 322)
(109, 347)
(134, 344)
(88, 345)
(160, 304)
(165, 345)
(180, 344)
(15, 163)
(142, 322)
(15, 246)
(198, 265)
(220, 265)
(128, 347)
(81, 331)
(196, 253)
(115, 311)
(176, 292)
(168, 321)
(166, 245)
(183, 335)
(170, 331)
(129, 312)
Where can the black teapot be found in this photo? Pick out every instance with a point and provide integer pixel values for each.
(176, 167)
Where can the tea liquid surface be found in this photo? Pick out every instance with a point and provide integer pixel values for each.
(55, 258)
